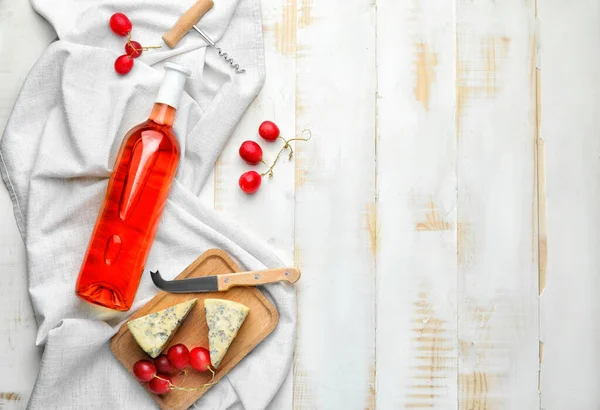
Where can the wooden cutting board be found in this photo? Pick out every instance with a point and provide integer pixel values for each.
(261, 321)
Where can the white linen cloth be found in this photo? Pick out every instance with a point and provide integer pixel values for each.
(57, 152)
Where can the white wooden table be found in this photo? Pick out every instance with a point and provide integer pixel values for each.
(445, 214)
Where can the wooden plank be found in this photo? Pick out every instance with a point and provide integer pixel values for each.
(416, 208)
(19, 356)
(570, 77)
(269, 213)
(497, 205)
(334, 367)
(19, 21)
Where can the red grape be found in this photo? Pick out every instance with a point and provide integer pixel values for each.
(179, 356)
(251, 152)
(133, 49)
(163, 365)
(200, 359)
(160, 386)
(269, 130)
(123, 64)
(120, 24)
(144, 370)
(250, 182)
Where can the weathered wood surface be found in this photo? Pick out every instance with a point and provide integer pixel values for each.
(449, 183)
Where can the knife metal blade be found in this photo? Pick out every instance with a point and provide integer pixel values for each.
(221, 283)
(201, 284)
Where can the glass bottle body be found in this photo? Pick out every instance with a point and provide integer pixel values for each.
(128, 219)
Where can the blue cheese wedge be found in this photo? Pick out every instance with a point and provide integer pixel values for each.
(224, 319)
(154, 331)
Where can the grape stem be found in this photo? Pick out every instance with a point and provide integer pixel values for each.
(286, 145)
(174, 387)
(143, 47)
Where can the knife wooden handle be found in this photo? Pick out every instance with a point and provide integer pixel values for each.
(259, 277)
(185, 22)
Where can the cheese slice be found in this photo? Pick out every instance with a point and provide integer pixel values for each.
(224, 319)
(154, 331)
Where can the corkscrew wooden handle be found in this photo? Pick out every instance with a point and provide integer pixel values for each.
(185, 22)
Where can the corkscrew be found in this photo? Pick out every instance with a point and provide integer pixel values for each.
(187, 22)
(225, 56)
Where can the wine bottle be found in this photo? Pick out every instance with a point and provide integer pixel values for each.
(135, 197)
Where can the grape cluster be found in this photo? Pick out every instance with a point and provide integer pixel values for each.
(121, 25)
(159, 374)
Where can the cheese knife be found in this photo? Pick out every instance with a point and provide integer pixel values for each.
(224, 282)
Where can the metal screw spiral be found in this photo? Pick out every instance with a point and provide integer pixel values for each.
(225, 56)
(230, 60)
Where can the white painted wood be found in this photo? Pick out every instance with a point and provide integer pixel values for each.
(269, 213)
(570, 76)
(416, 209)
(335, 193)
(19, 357)
(396, 294)
(497, 205)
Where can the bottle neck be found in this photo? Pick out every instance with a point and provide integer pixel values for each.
(163, 114)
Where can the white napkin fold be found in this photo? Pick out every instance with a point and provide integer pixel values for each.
(57, 153)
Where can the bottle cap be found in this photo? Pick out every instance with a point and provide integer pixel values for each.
(172, 85)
